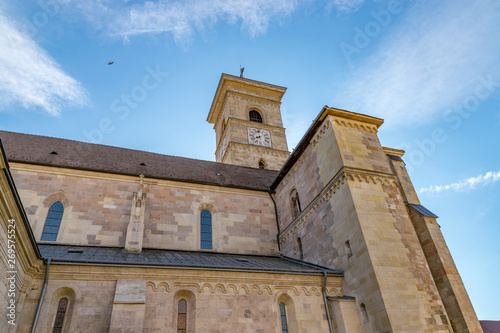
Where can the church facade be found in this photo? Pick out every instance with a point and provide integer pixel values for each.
(328, 238)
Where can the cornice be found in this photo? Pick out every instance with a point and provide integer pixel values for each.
(262, 150)
(245, 288)
(248, 123)
(319, 134)
(27, 284)
(360, 175)
(203, 281)
(256, 100)
(356, 124)
(393, 151)
(352, 116)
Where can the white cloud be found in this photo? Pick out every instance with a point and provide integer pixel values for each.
(425, 63)
(29, 76)
(181, 18)
(345, 6)
(481, 180)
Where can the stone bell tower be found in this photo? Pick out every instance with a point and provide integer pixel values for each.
(247, 121)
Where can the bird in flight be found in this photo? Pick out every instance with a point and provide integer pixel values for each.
(111, 63)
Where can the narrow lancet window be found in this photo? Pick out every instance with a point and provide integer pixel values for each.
(284, 326)
(206, 230)
(301, 251)
(295, 203)
(61, 312)
(53, 222)
(182, 316)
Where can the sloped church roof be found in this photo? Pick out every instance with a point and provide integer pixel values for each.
(43, 150)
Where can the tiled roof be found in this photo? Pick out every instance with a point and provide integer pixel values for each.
(394, 157)
(179, 259)
(490, 326)
(44, 150)
(422, 210)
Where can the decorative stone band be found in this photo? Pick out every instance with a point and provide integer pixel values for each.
(27, 283)
(260, 150)
(256, 101)
(344, 123)
(349, 174)
(247, 289)
(357, 125)
(319, 134)
(243, 122)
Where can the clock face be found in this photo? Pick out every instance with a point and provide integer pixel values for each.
(259, 137)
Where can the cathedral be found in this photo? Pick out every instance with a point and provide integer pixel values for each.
(330, 237)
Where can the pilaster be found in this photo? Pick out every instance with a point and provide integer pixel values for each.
(135, 229)
(129, 306)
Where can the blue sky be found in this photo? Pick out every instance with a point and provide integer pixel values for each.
(431, 69)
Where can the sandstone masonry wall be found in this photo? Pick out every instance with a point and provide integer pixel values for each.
(97, 210)
(354, 218)
(217, 301)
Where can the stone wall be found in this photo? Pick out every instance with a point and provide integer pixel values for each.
(442, 267)
(353, 217)
(19, 263)
(231, 127)
(250, 156)
(217, 301)
(238, 105)
(97, 210)
(451, 288)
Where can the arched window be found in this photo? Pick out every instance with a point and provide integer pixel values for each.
(262, 164)
(206, 230)
(182, 316)
(255, 116)
(51, 228)
(284, 326)
(295, 203)
(61, 312)
(301, 251)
